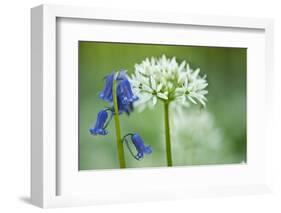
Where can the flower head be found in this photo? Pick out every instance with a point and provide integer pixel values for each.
(167, 80)
(140, 146)
(99, 128)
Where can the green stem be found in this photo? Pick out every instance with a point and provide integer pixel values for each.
(167, 134)
(120, 148)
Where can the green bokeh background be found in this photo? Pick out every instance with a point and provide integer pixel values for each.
(226, 107)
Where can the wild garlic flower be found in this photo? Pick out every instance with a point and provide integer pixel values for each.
(165, 79)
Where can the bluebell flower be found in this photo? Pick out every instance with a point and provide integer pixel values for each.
(124, 90)
(99, 128)
(127, 108)
(125, 96)
(106, 94)
(140, 146)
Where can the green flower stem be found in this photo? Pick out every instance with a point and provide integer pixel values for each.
(167, 134)
(120, 147)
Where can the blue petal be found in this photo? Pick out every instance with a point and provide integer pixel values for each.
(147, 150)
(95, 131)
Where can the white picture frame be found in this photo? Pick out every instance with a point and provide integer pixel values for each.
(46, 166)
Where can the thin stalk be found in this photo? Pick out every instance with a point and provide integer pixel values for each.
(120, 147)
(167, 134)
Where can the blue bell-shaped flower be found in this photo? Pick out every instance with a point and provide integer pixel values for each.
(140, 146)
(124, 90)
(99, 128)
(106, 94)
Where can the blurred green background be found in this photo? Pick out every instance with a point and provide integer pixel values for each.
(215, 135)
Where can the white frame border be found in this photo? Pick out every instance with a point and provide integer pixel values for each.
(43, 91)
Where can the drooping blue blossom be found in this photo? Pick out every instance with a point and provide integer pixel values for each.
(106, 94)
(99, 128)
(140, 146)
(124, 90)
(125, 96)
(127, 108)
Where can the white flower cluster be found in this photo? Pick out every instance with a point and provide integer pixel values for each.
(167, 80)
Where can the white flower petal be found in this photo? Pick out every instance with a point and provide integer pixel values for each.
(196, 72)
(170, 85)
(153, 83)
(202, 86)
(162, 95)
(144, 98)
(154, 100)
(202, 102)
(191, 99)
(182, 65)
(146, 88)
(186, 82)
(159, 87)
(180, 90)
(203, 92)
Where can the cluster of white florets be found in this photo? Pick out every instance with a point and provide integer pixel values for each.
(165, 79)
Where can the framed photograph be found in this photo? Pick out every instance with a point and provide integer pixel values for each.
(149, 106)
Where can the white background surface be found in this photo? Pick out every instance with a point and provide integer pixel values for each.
(15, 98)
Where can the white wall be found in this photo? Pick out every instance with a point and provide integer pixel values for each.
(15, 98)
